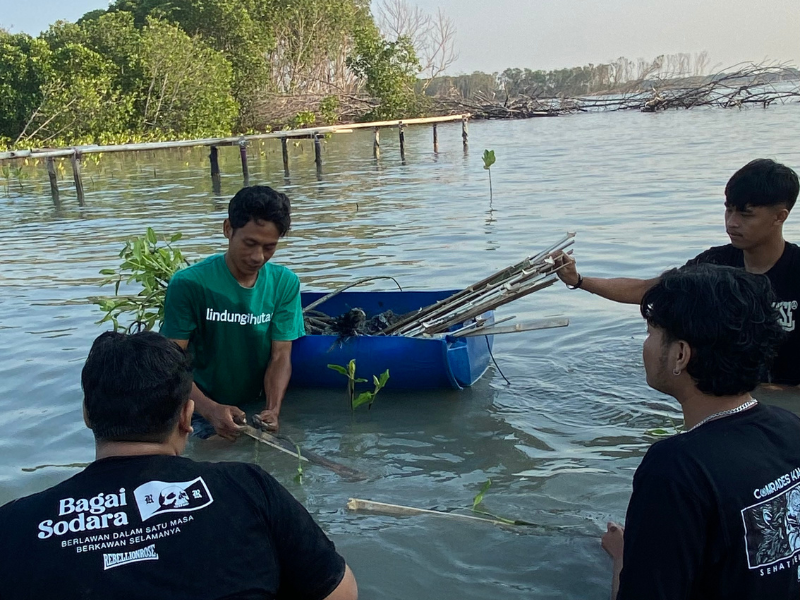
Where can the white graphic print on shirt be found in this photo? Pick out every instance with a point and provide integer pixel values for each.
(158, 497)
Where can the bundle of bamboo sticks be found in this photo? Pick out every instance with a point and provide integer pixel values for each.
(530, 275)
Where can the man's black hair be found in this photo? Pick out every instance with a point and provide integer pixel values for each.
(134, 386)
(260, 203)
(727, 317)
(762, 182)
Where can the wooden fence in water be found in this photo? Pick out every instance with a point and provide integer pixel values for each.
(316, 133)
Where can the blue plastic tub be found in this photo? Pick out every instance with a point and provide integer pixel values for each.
(413, 363)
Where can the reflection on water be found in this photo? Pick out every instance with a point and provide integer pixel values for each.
(560, 443)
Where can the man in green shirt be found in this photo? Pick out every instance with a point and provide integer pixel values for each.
(237, 314)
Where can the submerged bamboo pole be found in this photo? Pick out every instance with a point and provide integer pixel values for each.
(245, 166)
(376, 143)
(318, 153)
(397, 510)
(51, 173)
(213, 158)
(76, 174)
(285, 152)
(465, 131)
(400, 127)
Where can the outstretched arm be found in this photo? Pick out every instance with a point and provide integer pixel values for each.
(619, 289)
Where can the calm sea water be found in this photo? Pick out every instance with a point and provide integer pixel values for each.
(560, 442)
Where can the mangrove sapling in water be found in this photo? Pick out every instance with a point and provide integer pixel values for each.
(478, 500)
(488, 161)
(150, 261)
(364, 397)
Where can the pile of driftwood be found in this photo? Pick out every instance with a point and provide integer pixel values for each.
(742, 85)
(484, 106)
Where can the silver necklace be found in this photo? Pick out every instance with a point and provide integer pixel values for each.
(731, 411)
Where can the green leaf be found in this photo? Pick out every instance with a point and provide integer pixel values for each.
(175, 237)
(338, 369)
(488, 159)
(479, 497)
(359, 380)
(384, 378)
(363, 398)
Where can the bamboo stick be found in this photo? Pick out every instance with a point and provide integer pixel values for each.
(76, 174)
(51, 173)
(285, 152)
(245, 166)
(228, 141)
(402, 142)
(397, 510)
(376, 144)
(286, 446)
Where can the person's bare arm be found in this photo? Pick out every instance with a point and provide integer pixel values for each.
(224, 418)
(619, 289)
(347, 588)
(276, 380)
(613, 542)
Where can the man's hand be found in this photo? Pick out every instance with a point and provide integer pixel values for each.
(268, 418)
(567, 270)
(227, 420)
(613, 541)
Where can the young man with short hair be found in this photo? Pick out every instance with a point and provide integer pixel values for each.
(142, 522)
(715, 510)
(237, 315)
(758, 200)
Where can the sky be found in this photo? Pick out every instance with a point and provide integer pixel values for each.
(547, 34)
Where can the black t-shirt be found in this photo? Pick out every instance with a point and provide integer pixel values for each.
(715, 513)
(165, 527)
(785, 279)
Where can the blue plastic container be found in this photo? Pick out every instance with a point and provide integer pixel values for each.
(413, 363)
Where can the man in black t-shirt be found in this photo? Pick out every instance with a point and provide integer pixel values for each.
(142, 522)
(715, 510)
(758, 199)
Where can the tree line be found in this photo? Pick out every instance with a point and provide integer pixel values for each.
(152, 69)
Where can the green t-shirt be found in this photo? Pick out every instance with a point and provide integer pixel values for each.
(230, 328)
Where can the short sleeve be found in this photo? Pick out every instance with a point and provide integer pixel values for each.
(310, 567)
(180, 312)
(287, 320)
(665, 536)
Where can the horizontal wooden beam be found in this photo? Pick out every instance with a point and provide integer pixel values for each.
(227, 141)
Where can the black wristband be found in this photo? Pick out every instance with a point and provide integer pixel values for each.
(577, 285)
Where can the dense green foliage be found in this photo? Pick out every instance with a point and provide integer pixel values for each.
(390, 70)
(154, 69)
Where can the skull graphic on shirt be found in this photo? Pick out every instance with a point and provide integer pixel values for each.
(174, 497)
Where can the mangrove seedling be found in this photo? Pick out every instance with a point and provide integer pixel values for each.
(477, 509)
(488, 161)
(364, 397)
(150, 261)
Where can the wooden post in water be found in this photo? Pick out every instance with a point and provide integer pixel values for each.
(402, 142)
(51, 172)
(376, 144)
(285, 151)
(76, 174)
(318, 153)
(435, 139)
(245, 167)
(214, 159)
(465, 132)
